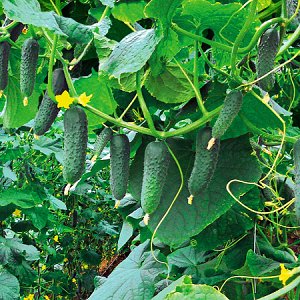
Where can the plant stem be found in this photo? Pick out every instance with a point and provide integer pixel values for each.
(241, 35)
(105, 13)
(290, 41)
(143, 105)
(283, 290)
(50, 70)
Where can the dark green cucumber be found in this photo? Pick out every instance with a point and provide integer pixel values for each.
(4, 57)
(103, 138)
(29, 59)
(48, 109)
(232, 105)
(16, 31)
(75, 143)
(205, 162)
(267, 50)
(291, 6)
(297, 178)
(156, 163)
(119, 165)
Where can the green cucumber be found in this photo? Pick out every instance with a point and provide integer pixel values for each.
(75, 143)
(156, 163)
(232, 105)
(119, 165)
(103, 138)
(48, 109)
(29, 59)
(267, 50)
(4, 58)
(297, 178)
(16, 31)
(205, 162)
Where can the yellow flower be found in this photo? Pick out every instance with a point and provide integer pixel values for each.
(64, 100)
(44, 267)
(85, 266)
(17, 213)
(46, 297)
(83, 99)
(74, 280)
(55, 239)
(29, 297)
(285, 274)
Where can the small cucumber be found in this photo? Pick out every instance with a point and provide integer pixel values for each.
(29, 59)
(4, 58)
(103, 138)
(267, 50)
(75, 143)
(205, 162)
(156, 163)
(232, 105)
(119, 165)
(48, 109)
(297, 178)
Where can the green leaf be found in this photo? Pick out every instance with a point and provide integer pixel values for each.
(235, 162)
(187, 290)
(29, 12)
(38, 215)
(232, 224)
(132, 53)
(24, 272)
(104, 47)
(260, 265)
(225, 20)
(169, 46)
(125, 234)
(129, 12)
(15, 113)
(49, 146)
(133, 278)
(102, 96)
(171, 86)
(9, 286)
(186, 257)
(109, 3)
(90, 257)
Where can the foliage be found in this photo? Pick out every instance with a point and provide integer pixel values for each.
(150, 70)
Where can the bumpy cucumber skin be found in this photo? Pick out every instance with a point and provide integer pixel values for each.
(291, 6)
(267, 50)
(75, 143)
(205, 162)
(4, 57)
(119, 165)
(297, 178)
(156, 163)
(48, 109)
(232, 105)
(29, 59)
(103, 138)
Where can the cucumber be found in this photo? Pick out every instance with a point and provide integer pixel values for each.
(267, 50)
(297, 178)
(103, 138)
(29, 59)
(232, 105)
(75, 143)
(4, 57)
(48, 109)
(156, 163)
(16, 31)
(205, 162)
(291, 6)
(119, 165)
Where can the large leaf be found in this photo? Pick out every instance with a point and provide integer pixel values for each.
(225, 20)
(184, 220)
(38, 215)
(9, 286)
(133, 278)
(29, 12)
(171, 86)
(102, 96)
(132, 53)
(23, 198)
(129, 12)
